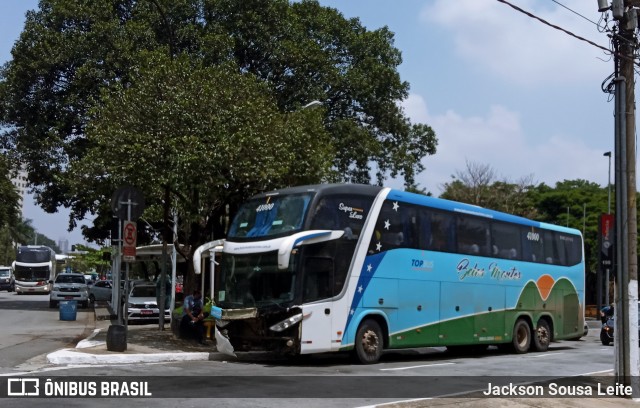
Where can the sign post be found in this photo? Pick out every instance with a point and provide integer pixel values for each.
(127, 203)
(129, 234)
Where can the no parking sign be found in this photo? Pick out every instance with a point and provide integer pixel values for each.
(129, 237)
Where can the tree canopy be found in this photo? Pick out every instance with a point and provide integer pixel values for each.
(76, 61)
(209, 135)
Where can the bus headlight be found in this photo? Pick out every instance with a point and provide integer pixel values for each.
(285, 324)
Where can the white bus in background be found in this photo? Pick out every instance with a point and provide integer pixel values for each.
(34, 267)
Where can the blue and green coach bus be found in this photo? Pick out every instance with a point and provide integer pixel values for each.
(340, 267)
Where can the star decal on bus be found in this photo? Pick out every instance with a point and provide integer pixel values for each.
(378, 246)
(395, 206)
(387, 224)
(351, 312)
(360, 289)
(369, 268)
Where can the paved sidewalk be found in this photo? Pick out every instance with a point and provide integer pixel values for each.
(145, 343)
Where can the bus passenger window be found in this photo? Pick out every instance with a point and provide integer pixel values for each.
(505, 238)
(318, 279)
(473, 234)
(441, 230)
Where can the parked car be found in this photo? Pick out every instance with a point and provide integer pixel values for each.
(101, 290)
(7, 281)
(69, 286)
(143, 305)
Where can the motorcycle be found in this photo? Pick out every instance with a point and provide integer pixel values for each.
(606, 332)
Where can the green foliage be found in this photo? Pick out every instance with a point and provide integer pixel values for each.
(89, 260)
(76, 60)
(9, 210)
(210, 135)
(479, 185)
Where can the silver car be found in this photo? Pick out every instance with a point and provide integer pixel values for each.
(101, 290)
(143, 305)
(69, 286)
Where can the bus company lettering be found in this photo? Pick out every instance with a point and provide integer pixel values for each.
(465, 271)
(355, 213)
(421, 265)
(502, 274)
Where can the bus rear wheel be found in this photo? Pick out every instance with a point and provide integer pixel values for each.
(542, 336)
(521, 337)
(369, 342)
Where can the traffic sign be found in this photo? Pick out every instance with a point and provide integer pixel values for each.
(129, 238)
(124, 197)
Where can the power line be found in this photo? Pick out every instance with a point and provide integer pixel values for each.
(554, 26)
(574, 12)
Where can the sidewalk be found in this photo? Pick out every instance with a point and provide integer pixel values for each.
(145, 343)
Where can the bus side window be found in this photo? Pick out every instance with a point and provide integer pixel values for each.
(318, 275)
(473, 234)
(505, 240)
(442, 232)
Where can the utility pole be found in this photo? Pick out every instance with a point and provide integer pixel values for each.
(626, 288)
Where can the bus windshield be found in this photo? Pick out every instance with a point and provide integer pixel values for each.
(255, 280)
(270, 216)
(32, 273)
(33, 255)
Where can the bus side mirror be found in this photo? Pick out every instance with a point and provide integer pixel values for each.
(304, 237)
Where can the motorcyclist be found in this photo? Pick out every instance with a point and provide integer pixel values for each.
(606, 313)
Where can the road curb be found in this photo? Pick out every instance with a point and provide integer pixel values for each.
(71, 356)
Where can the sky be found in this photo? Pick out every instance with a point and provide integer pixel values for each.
(498, 87)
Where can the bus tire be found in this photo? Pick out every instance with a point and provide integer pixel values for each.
(521, 337)
(541, 336)
(369, 342)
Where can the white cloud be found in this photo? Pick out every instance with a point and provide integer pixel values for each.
(497, 138)
(513, 46)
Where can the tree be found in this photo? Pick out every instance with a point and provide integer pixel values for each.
(478, 184)
(71, 52)
(9, 205)
(89, 260)
(201, 137)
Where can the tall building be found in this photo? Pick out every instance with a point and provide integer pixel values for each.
(19, 180)
(63, 244)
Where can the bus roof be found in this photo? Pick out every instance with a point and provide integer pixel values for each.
(326, 189)
(455, 206)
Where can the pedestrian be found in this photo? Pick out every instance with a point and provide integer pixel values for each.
(193, 315)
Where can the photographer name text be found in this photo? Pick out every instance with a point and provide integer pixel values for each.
(558, 390)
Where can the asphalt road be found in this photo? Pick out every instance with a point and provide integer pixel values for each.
(30, 328)
(260, 381)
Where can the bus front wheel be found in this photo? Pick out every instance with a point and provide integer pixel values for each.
(521, 337)
(369, 342)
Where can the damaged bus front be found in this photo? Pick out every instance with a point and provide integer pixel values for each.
(284, 267)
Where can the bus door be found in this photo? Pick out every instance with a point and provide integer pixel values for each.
(317, 290)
